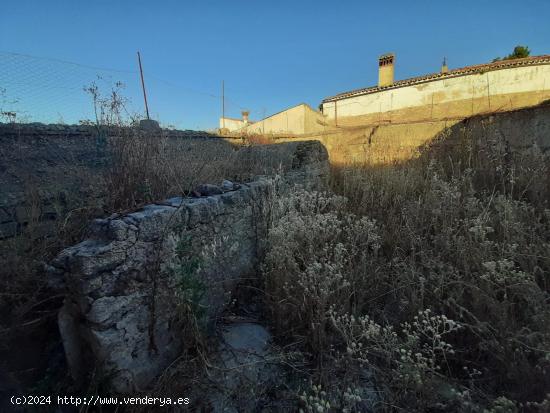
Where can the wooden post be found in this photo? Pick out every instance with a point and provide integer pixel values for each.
(143, 86)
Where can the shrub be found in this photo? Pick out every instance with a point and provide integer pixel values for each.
(315, 261)
(433, 275)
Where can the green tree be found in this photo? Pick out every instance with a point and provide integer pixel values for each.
(518, 53)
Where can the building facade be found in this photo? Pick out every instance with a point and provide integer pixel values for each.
(448, 95)
(459, 93)
(228, 125)
(298, 120)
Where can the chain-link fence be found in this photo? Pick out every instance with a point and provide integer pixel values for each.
(48, 90)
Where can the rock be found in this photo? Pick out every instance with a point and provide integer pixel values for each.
(208, 190)
(310, 166)
(246, 366)
(243, 342)
(149, 125)
(72, 344)
(54, 279)
(229, 186)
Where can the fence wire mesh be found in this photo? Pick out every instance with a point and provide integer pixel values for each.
(48, 90)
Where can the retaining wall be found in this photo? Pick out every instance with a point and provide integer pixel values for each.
(386, 144)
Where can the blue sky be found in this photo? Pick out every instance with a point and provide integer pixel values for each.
(271, 55)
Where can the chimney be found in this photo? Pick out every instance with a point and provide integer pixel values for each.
(385, 69)
(444, 67)
(245, 114)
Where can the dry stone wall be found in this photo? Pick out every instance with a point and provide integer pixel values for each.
(125, 284)
(45, 170)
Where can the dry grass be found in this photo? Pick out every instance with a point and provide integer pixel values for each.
(141, 168)
(433, 274)
(149, 167)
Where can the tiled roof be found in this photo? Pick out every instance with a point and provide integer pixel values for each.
(501, 64)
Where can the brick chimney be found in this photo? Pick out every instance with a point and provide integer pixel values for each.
(385, 69)
(245, 114)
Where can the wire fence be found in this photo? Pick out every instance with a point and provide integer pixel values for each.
(48, 90)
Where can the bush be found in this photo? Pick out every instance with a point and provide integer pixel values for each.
(313, 263)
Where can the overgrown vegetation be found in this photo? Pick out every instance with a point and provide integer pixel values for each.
(141, 167)
(431, 276)
(421, 286)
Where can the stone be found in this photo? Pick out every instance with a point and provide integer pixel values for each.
(243, 342)
(208, 190)
(68, 328)
(245, 363)
(174, 202)
(54, 279)
(149, 125)
(229, 186)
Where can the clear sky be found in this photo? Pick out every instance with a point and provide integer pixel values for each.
(271, 54)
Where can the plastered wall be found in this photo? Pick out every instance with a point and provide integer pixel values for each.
(454, 97)
(297, 120)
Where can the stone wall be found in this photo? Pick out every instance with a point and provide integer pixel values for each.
(518, 129)
(127, 283)
(385, 144)
(47, 169)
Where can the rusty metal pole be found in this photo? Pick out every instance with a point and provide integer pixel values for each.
(143, 86)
